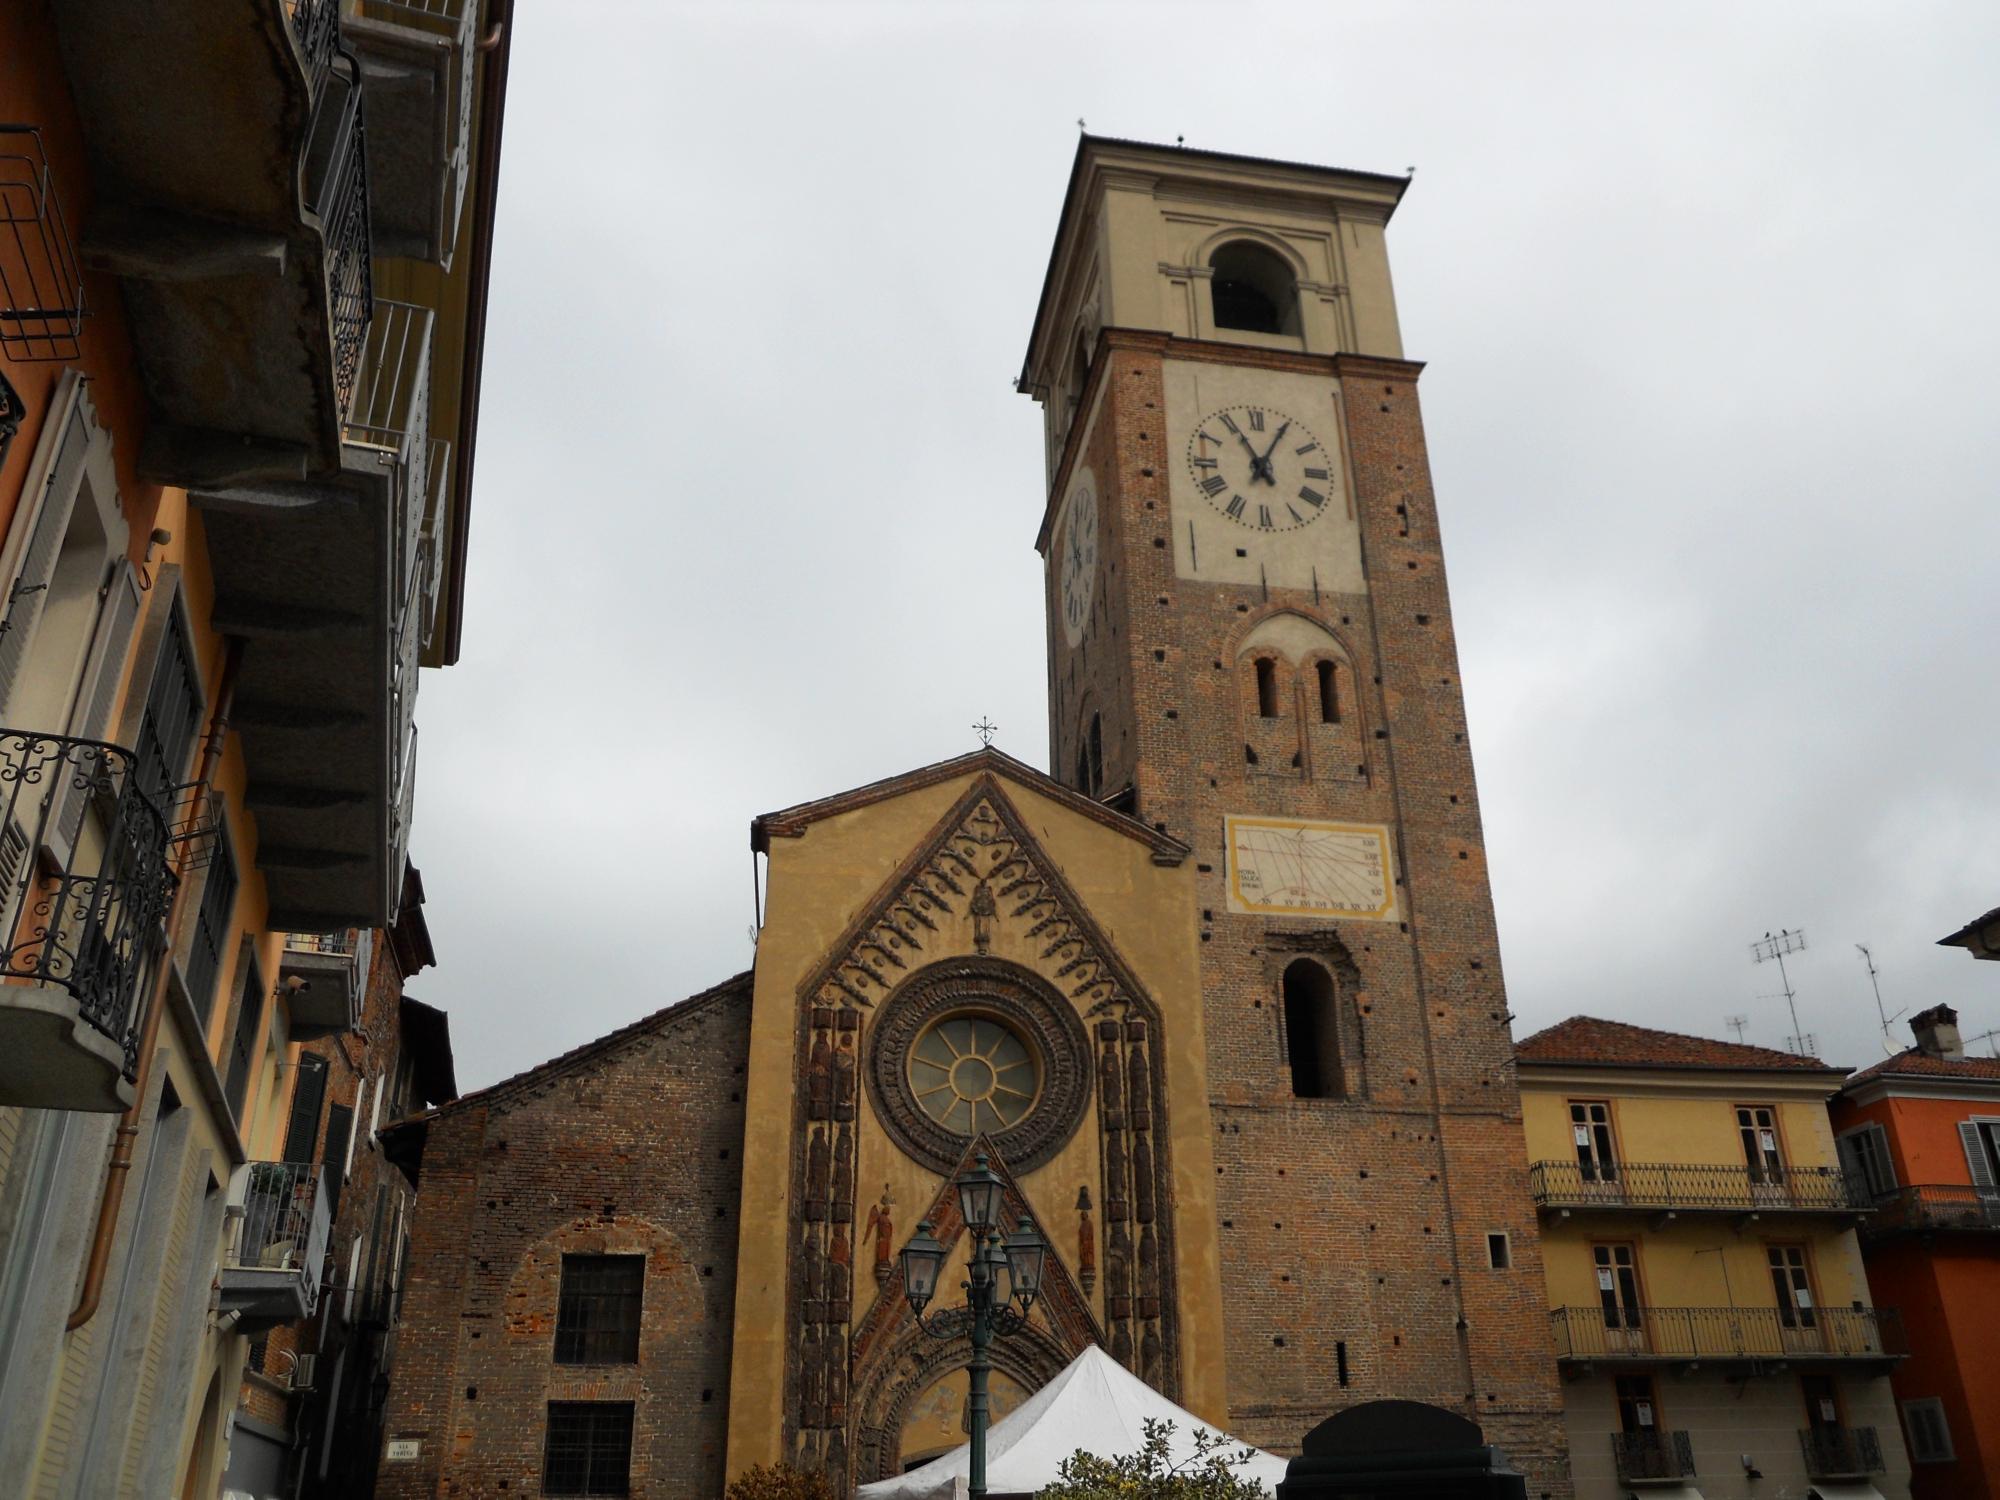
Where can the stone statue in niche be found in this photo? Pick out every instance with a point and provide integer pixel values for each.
(984, 909)
(844, 1067)
(883, 1227)
(819, 1078)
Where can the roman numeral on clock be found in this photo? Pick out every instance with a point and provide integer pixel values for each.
(1315, 473)
(1309, 447)
(1215, 484)
(1209, 463)
(1256, 420)
(1264, 516)
(1311, 496)
(1229, 422)
(1234, 509)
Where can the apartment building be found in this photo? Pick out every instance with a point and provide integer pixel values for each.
(1712, 1321)
(243, 251)
(1919, 1133)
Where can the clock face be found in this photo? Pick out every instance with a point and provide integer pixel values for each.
(1261, 467)
(1076, 569)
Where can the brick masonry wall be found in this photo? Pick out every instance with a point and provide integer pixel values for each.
(632, 1146)
(1354, 1230)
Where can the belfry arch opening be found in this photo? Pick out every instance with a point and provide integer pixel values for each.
(1312, 1030)
(1253, 289)
(1267, 688)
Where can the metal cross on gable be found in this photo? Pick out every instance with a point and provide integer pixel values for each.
(985, 731)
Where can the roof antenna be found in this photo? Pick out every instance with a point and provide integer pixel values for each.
(1869, 959)
(1776, 946)
(1737, 1024)
(1080, 125)
(1180, 140)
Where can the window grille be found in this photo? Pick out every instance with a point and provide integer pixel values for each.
(172, 718)
(589, 1448)
(597, 1313)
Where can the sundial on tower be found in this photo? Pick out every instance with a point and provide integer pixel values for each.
(1285, 865)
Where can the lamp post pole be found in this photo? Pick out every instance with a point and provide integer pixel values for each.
(993, 1308)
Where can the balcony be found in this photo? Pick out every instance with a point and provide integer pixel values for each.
(239, 230)
(417, 66)
(1934, 1208)
(1652, 1457)
(1669, 1189)
(334, 969)
(321, 576)
(276, 1258)
(84, 890)
(1841, 1452)
(1687, 1336)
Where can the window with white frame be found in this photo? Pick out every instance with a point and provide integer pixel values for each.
(1864, 1157)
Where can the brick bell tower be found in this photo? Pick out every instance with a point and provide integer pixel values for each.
(1250, 648)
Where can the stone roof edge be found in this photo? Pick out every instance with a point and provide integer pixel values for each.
(792, 822)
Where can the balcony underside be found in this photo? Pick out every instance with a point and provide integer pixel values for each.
(327, 1005)
(304, 575)
(1876, 1362)
(51, 1058)
(196, 116)
(263, 1298)
(1659, 1215)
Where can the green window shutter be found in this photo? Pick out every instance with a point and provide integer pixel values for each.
(302, 1130)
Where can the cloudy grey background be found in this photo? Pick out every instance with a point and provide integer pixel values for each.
(1708, 303)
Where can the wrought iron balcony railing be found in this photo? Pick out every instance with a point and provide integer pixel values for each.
(83, 858)
(276, 1260)
(316, 24)
(1671, 1334)
(1932, 1207)
(1841, 1452)
(1652, 1454)
(1688, 1187)
(337, 192)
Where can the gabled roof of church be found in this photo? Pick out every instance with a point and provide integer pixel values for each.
(1588, 1042)
(792, 822)
(404, 1139)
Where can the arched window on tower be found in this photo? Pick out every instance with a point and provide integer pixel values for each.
(1329, 694)
(1253, 289)
(1267, 688)
(1312, 1031)
(1096, 755)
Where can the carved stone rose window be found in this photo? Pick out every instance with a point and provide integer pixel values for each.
(979, 1047)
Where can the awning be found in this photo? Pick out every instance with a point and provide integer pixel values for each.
(1860, 1490)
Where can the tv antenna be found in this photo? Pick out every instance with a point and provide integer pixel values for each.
(1737, 1024)
(1774, 946)
(1880, 1010)
(1991, 1038)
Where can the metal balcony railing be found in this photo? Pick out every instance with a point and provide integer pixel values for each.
(343, 215)
(276, 1260)
(1669, 1334)
(1931, 1207)
(340, 944)
(41, 277)
(1652, 1454)
(1841, 1452)
(316, 24)
(1690, 1187)
(83, 858)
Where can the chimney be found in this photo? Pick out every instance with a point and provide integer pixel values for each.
(1937, 1033)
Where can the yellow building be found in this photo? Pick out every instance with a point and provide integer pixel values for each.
(1707, 1299)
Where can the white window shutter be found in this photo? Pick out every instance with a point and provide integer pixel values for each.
(1882, 1166)
(1975, 1158)
(91, 718)
(60, 461)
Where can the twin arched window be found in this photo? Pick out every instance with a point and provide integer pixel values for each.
(1253, 289)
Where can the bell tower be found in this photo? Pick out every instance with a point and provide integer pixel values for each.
(1251, 650)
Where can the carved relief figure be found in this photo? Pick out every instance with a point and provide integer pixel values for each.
(884, 1229)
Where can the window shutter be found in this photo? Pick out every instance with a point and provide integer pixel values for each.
(1881, 1166)
(30, 588)
(302, 1132)
(339, 1126)
(1976, 1159)
(91, 718)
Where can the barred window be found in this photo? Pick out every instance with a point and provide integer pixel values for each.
(597, 1313)
(589, 1448)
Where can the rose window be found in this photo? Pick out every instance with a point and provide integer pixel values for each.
(971, 1073)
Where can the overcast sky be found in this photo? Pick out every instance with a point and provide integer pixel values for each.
(1709, 306)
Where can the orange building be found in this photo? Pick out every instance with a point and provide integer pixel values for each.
(1921, 1132)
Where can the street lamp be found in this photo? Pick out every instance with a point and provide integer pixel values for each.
(990, 1311)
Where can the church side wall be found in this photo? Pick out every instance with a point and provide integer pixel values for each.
(637, 1151)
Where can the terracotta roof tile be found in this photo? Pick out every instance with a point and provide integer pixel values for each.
(1921, 1064)
(1591, 1042)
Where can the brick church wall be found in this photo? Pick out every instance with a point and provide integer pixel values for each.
(632, 1145)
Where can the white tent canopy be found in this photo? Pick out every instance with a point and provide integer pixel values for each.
(1094, 1404)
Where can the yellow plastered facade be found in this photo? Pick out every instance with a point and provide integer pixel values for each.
(818, 883)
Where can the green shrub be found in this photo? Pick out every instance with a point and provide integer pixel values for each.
(1209, 1473)
(779, 1482)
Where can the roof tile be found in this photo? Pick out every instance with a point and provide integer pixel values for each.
(1598, 1043)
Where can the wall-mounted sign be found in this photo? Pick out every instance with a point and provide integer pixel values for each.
(404, 1450)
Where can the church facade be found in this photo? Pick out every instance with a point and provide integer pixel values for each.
(1221, 1000)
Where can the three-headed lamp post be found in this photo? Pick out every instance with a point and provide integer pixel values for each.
(1005, 1276)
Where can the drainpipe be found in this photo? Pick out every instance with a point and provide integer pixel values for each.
(156, 1004)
